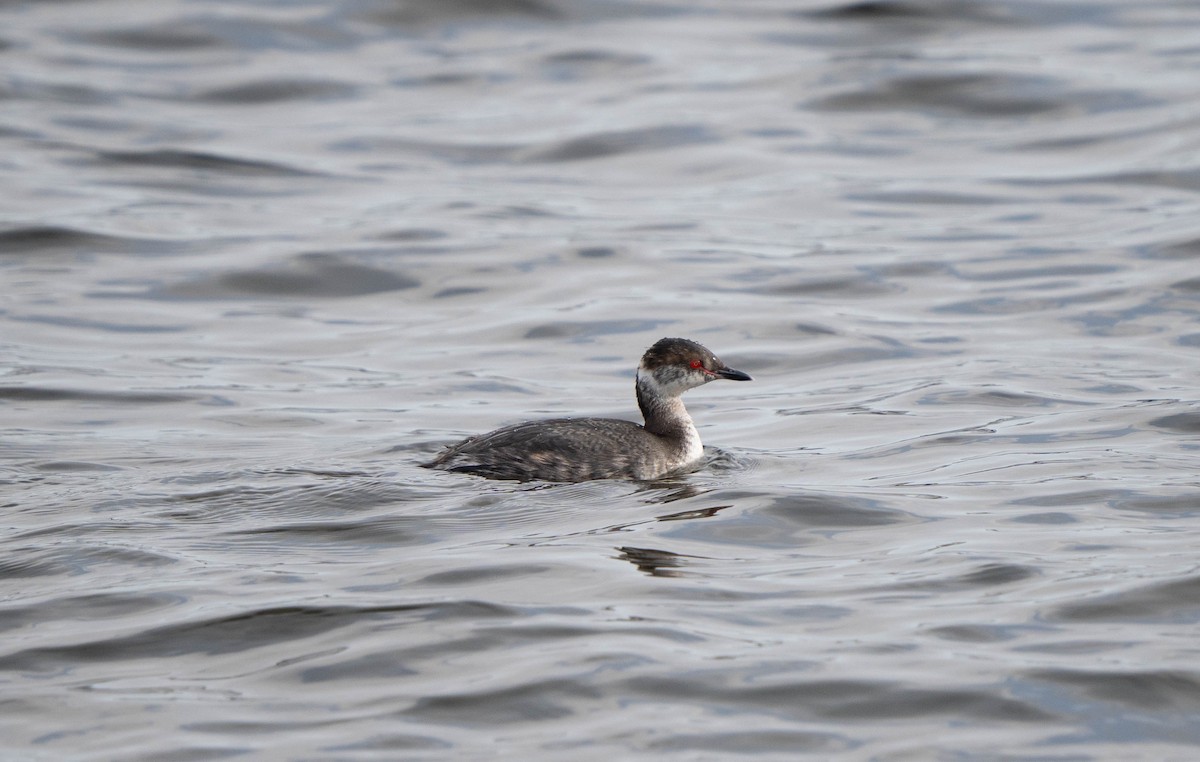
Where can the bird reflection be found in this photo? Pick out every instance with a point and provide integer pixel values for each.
(682, 493)
(695, 513)
(656, 563)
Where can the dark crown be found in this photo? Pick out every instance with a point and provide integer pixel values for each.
(678, 352)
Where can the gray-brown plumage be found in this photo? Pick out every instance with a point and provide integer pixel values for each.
(581, 449)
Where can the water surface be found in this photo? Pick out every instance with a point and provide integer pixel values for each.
(259, 260)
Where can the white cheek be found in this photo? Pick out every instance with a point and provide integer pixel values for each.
(678, 382)
(678, 386)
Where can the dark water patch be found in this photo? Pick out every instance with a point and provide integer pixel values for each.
(604, 144)
(861, 286)
(861, 149)
(306, 275)
(37, 239)
(754, 742)
(1005, 305)
(595, 252)
(1182, 179)
(17, 565)
(1172, 690)
(483, 573)
(449, 293)
(1058, 145)
(517, 211)
(1187, 179)
(1112, 323)
(663, 227)
(973, 95)
(1053, 518)
(261, 628)
(512, 634)
(73, 466)
(590, 330)
(1049, 271)
(1081, 497)
(1180, 505)
(389, 743)
(1189, 249)
(888, 12)
(188, 752)
(881, 24)
(815, 613)
(977, 633)
(574, 65)
(236, 726)
(1113, 388)
(766, 521)
(463, 153)
(1074, 647)
(509, 636)
(51, 394)
(86, 608)
(849, 700)
(815, 329)
(277, 90)
(883, 10)
(448, 79)
(989, 575)
(982, 435)
(51, 92)
(413, 234)
(991, 398)
(372, 533)
(173, 38)
(1191, 284)
(422, 12)
(1177, 601)
(984, 576)
(369, 667)
(981, 95)
(201, 161)
(482, 385)
(830, 511)
(536, 700)
(1180, 423)
(590, 56)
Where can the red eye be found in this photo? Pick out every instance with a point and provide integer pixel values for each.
(696, 364)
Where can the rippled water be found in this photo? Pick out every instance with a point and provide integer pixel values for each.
(261, 259)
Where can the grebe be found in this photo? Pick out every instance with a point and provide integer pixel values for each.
(581, 449)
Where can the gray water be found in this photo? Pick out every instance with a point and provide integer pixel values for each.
(260, 260)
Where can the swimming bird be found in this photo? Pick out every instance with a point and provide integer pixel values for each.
(582, 449)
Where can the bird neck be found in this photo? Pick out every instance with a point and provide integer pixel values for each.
(664, 413)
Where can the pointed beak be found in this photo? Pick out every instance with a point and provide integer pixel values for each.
(733, 375)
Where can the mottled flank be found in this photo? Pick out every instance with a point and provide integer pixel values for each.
(558, 450)
(582, 449)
